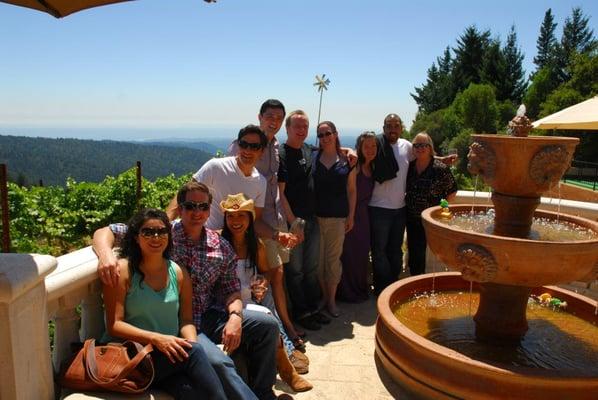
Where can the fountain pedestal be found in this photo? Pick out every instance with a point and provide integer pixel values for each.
(501, 315)
(514, 214)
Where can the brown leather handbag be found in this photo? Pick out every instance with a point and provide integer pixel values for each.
(116, 367)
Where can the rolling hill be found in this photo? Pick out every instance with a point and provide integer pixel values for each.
(31, 159)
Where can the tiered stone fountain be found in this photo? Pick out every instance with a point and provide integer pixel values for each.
(505, 266)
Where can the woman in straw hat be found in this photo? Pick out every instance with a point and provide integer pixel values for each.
(239, 216)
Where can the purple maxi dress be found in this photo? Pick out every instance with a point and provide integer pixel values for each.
(353, 287)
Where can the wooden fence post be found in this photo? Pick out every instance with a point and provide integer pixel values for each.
(4, 205)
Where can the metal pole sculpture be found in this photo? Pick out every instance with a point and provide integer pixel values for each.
(322, 84)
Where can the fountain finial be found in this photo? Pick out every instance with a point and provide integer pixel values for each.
(520, 125)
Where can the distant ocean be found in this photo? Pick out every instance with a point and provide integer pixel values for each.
(219, 136)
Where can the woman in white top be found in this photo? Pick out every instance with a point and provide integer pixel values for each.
(239, 214)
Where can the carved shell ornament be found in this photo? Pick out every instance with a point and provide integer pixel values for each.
(548, 165)
(481, 161)
(476, 263)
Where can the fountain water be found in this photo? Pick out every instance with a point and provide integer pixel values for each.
(505, 265)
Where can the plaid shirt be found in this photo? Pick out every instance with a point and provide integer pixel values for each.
(211, 265)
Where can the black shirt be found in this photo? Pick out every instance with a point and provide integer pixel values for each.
(436, 182)
(331, 189)
(295, 171)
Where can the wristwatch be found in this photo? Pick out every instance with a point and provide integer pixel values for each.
(237, 313)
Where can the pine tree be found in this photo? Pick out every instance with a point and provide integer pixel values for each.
(493, 70)
(514, 84)
(436, 93)
(546, 41)
(469, 57)
(577, 36)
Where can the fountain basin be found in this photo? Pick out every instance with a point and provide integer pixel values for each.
(432, 371)
(521, 166)
(513, 261)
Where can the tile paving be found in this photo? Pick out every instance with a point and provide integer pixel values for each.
(342, 361)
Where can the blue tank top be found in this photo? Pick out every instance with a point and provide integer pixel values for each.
(156, 311)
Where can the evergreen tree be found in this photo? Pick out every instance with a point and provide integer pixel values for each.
(469, 58)
(493, 70)
(577, 36)
(546, 42)
(426, 96)
(514, 84)
(436, 93)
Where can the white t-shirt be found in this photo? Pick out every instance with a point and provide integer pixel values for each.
(391, 193)
(223, 177)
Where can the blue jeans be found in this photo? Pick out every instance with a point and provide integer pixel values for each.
(387, 227)
(301, 272)
(259, 341)
(234, 386)
(191, 379)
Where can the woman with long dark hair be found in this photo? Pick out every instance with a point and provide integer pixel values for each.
(353, 287)
(239, 215)
(152, 304)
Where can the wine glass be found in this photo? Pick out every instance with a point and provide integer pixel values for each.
(259, 286)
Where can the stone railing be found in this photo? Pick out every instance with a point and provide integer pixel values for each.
(35, 289)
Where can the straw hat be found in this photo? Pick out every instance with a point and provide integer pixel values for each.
(237, 202)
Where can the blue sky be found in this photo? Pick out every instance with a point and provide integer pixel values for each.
(151, 68)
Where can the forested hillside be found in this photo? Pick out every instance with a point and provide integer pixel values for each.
(30, 160)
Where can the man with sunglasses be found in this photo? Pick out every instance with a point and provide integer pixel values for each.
(231, 175)
(217, 307)
(272, 226)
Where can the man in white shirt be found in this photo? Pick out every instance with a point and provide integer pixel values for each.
(387, 206)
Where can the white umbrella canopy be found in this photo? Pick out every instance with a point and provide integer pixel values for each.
(583, 115)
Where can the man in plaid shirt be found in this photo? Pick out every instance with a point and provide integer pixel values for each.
(217, 308)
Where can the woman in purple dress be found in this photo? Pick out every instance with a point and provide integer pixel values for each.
(353, 287)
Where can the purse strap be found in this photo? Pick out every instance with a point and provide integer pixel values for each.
(92, 367)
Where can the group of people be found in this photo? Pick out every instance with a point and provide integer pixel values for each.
(261, 245)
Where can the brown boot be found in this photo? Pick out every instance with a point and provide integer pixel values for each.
(288, 374)
(300, 366)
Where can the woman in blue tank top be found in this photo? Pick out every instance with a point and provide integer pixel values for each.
(152, 304)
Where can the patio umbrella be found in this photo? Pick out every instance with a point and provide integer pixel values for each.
(583, 115)
(62, 8)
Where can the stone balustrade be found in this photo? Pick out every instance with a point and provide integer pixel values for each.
(35, 289)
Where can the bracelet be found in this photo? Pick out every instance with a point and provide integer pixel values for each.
(237, 313)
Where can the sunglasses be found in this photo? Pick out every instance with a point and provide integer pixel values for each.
(154, 232)
(193, 206)
(252, 146)
(420, 145)
(325, 134)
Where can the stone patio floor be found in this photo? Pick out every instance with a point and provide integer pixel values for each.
(342, 362)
